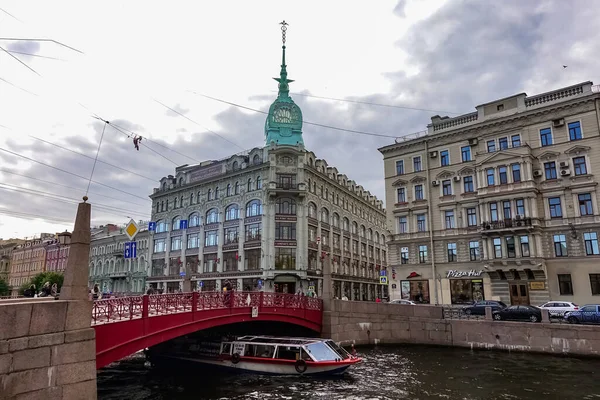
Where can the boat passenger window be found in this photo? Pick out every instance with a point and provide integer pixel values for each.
(226, 348)
(339, 350)
(265, 351)
(288, 353)
(304, 355)
(321, 352)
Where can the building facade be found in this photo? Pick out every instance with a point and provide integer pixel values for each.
(109, 269)
(501, 203)
(28, 260)
(6, 250)
(269, 219)
(57, 254)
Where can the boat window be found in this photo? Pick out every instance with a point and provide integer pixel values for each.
(226, 349)
(288, 353)
(265, 351)
(321, 352)
(304, 355)
(339, 350)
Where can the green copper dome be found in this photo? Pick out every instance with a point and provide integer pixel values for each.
(284, 122)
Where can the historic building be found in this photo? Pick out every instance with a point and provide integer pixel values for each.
(57, 253)
(109, 268)
(268, 219)
(501, 203)
(28, 260)
(6, 250)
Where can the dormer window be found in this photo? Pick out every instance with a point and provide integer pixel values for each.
(500, 107)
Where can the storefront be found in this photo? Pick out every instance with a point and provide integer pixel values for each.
(415, 290)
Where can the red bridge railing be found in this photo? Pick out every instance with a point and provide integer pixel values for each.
(145, 306)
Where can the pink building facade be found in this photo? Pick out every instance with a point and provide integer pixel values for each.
(57, 255)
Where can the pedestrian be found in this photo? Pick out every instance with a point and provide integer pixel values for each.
(54, 290)
(30, 292)
(353, 351)
(377, 300)
(46, 290)
(96, 292)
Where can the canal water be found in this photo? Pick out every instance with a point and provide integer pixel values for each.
(394, 372)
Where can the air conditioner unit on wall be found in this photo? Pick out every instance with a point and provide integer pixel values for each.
(558, 122)
(537, 173)
(435, 183)
(433, 154)
(456, 179)
(473, 142)
(564, 164)
(565, 172)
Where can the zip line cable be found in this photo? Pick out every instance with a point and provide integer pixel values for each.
(17, 58)
(35, 55)
(10, 15)
(16, 214)
(41, 40)
(18, 87)
(96, 159)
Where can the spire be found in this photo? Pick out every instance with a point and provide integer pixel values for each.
(284, 88)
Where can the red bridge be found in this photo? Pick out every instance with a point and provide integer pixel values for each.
(126, 325)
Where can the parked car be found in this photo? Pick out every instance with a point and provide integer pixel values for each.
(478, 307)
(558, 309)
(518, 313)
(588, 314)
(404, 302)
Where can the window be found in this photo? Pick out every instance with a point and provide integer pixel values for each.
(325, 218)
(232, 212)
(250, 185)
(401, 195)
(447, 187)
(595, 283)
(515, 140)
(555, 207)
(444, 158)
(497, 248)
(193, 242)
(560, 245)
(176, 243)
(159, 245)
(451, 252)
(237, 188)
(494, 211)
(421, 223)
(253, 232)
(471, 217)
(176, 223)
(503, 143)
(258, 183)
(491, 146)
(502, 175)
(550, 170)
(474, 251)
(468, 184)
(575, 131)
(565, 285)
(216, 193)
(500, 107)
(229, 192)
(466, 153)
(285, 230)
(400, 167)
(253, 208)
(285, 206)
(212, 216)
(404, 255)
(506, 209)
(510, 247)
(591, 243)
(524, 246)
(520, 206)
(418, 192)
(402, 225)
(585, 204)
(417, 164)
(579, 164)
(490, 176)
(423, 254)
(449, 219)
(285, 258)
(211, 238)
(516, 172)
(546, 136)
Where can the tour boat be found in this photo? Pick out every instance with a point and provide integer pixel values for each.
(281, 356)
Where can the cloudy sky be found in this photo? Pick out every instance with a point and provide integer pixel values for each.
(438, 56)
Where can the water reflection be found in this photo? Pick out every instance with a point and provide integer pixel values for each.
(399, 372)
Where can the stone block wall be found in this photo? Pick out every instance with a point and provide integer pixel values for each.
(350, 322)
(47, 351)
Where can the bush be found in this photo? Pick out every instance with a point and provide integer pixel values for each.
(4, 289)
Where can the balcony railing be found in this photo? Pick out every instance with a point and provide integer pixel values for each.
(506, 224)
(286, 186)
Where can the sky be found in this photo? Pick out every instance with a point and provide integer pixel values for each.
(136, 58)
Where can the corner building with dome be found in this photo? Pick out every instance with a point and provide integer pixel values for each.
(272, 219)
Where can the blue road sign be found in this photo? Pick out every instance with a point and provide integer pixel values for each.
(383, 272)
(183, 224)
(182, 273)
(201, 283)
(133, 246)
(152, 226)
(383, 280)
(127, 250)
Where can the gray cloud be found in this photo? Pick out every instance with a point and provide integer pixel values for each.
(177, 107)
(24, 47)
(399, 9)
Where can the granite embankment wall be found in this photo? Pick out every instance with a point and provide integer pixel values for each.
(379, 323)
(47, 350)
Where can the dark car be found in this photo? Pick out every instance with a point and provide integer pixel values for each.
(588, 314)
(518, 313)
(478, 308)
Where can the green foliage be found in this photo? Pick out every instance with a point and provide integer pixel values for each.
(4, 289)
(42, 278)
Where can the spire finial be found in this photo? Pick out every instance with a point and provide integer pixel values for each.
(284, 26)
(283, 80)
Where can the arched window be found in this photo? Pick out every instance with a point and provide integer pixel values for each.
(232, 212)
(256, 159)
(324, 215)
(164, 186)
(310, 162)
(314, 187)
(198, 197)
(212, 216)
(370, 234)
(157, 206)
(312, 210)
(180, 181)
(235, 165)
(326, 194)
(285, 205)
(194, 219)
(229, 189)
(253, 208)
(376, 237)
(191, 198)
(346, 224)
(237, 188)
(258, 183)
(382, 239)
(161, 226)
(175, 203)
(249, 184)
(217, 193)
(362, 231)
(175, 223)
(354, 228)
(181, 201)
(335, 221)
(209, 194)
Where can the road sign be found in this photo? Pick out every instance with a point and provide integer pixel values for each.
(183, 224)
(383, 272)
(311, 288)
(201, 283)
(131, 229)
(152, 226)
(130, 250)
(254, 312)
(383, 280)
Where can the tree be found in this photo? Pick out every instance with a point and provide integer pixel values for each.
(4, 289)
(42, 278)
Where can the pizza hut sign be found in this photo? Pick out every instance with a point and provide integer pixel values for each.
(453, 273)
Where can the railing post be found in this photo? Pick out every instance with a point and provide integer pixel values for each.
(261, 301)
(131, 308)
(194, 302)
(145, 302)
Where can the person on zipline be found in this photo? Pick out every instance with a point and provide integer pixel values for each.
(136, 142)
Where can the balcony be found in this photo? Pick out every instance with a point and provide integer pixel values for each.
(287, 188)
(510, 224)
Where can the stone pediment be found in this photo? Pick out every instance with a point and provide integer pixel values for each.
(400, 182)
(575, 150)
(445, 174)
(417, 179)
(466, 171)
(548, 155)
(500, 156)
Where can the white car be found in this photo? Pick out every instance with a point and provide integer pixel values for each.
(559, 308)
(403, 302)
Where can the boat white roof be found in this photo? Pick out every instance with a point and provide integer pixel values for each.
(279, 340)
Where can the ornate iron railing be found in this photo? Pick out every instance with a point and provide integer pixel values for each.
(144, 306)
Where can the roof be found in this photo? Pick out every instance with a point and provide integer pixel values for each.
(278, 340)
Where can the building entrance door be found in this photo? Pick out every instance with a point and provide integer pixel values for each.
(519, 293)
(286, 287)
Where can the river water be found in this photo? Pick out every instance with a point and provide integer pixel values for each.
(390, 372)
